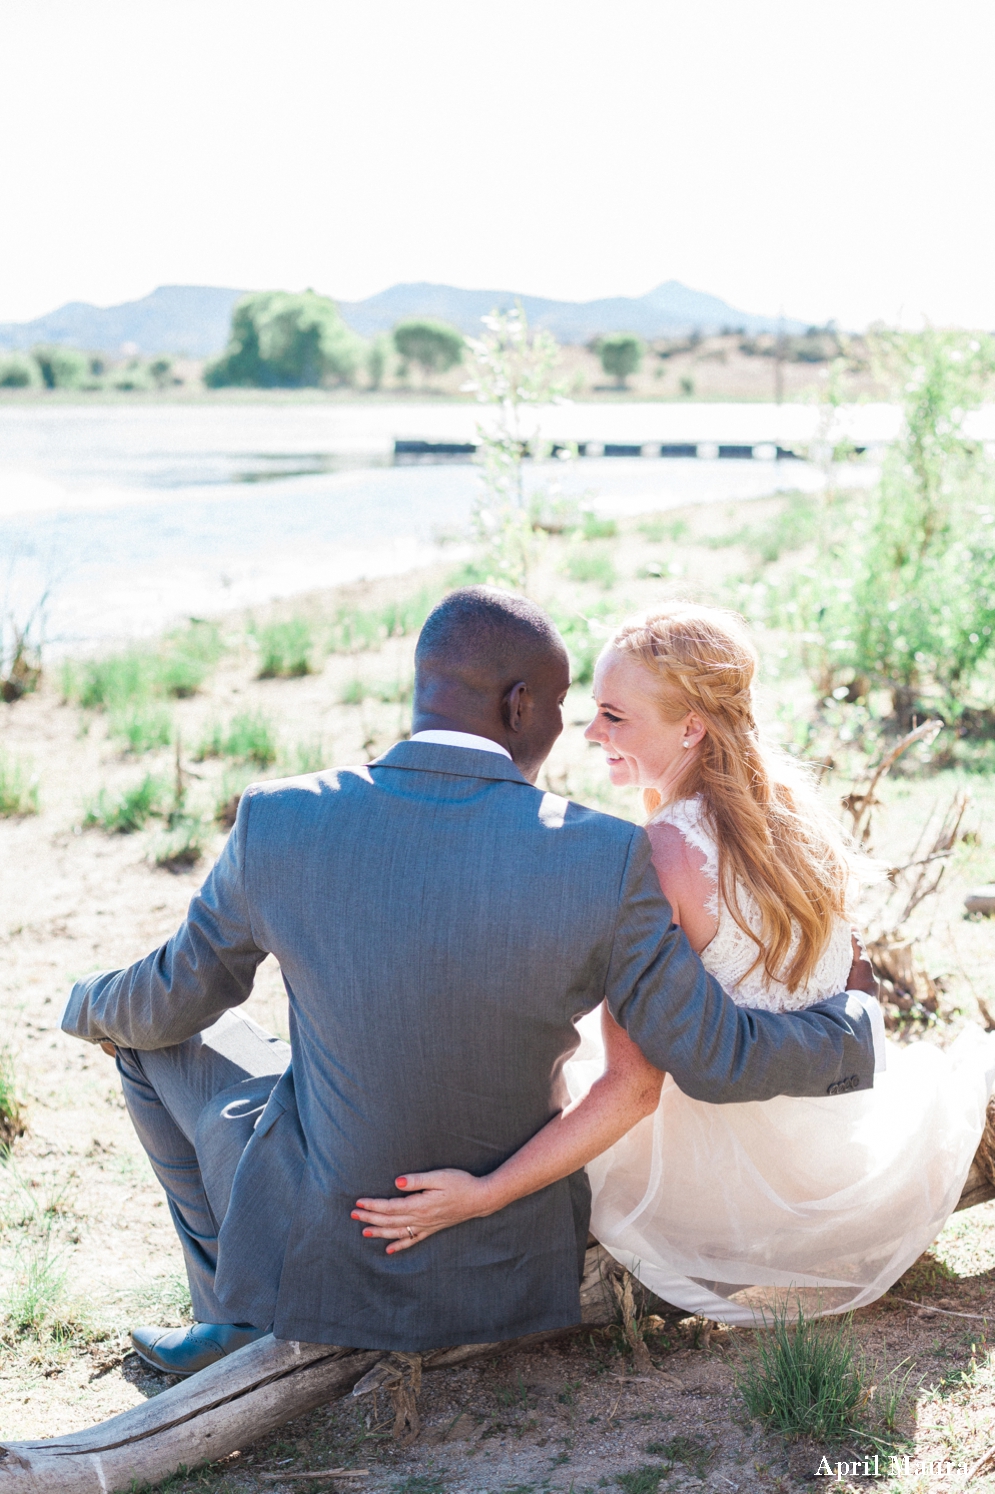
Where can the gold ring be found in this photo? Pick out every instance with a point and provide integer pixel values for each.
(410, 1231)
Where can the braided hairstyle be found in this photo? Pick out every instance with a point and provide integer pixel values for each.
(775, 839)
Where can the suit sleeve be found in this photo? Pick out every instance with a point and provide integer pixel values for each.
(179, 989)
(684, 1022)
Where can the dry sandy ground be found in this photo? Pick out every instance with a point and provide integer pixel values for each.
(78, 1197)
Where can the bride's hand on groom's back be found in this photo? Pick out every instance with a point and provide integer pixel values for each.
(431, 1201)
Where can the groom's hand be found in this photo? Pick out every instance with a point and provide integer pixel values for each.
(432, 1201)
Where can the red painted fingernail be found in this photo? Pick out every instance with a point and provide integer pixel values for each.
(402, 1182)
(367, 1233)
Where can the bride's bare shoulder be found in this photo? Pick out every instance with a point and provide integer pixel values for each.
(684, 880)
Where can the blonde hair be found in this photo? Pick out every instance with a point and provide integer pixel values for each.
(774, 837)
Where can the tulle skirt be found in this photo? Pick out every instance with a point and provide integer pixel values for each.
(733, 1210)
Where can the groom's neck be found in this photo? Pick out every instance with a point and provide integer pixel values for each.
(473, 725)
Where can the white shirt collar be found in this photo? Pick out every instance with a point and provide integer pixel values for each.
(460, 739)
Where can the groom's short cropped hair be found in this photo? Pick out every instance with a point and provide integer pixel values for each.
(482, 627)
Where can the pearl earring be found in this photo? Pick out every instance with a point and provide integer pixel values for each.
(685, 743)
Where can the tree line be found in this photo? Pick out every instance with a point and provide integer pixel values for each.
(288, 340)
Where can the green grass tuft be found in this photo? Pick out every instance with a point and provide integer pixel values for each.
(12, 1123)
(176, 670)
(308, 757)
(655, 530)
(420, 1483)
(249, 739)
(593, 565)
(142, 728)
(285, 650)
(357, 631)
(803, 1378)
(36, 1288)
(598, 529)
(18, 788)
(122, 814)
(694, 1452)
(233, 784)
(183, 844)
(645, 1480)
(161, 1299)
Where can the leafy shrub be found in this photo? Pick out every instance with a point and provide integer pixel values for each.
(285, 649)
(592, 565)
(280, 340)
(804, 1378)
(142, 728)
(514, 368)
(248, 739)
(62, 368)
(434, 346)
(122, 814)
(18, 788)
(131, 376)
(161, 372)
(621, 354)
(17, 372)
(903, 595)
(376, 361)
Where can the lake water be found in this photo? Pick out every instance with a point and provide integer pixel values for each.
(133, 516)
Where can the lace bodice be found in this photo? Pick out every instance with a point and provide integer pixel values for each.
(731, 953)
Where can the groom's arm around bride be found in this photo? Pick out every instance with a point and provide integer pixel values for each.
(440, 923)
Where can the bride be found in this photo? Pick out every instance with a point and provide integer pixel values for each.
(721, 1209)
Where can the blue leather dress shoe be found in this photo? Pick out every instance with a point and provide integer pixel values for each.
(184, 1351)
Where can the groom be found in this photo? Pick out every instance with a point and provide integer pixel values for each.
(440, 922)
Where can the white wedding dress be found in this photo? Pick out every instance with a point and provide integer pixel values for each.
(724, 1210)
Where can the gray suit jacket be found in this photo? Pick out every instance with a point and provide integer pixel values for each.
(440, 924)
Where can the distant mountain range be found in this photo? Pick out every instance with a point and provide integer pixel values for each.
(194, 319)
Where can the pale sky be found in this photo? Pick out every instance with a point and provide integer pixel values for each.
(831, 158)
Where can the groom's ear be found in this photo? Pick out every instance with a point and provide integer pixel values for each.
(514, 707)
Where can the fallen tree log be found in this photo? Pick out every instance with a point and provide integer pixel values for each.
(248, 1395)
(233, 1404)
(979, 1186)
